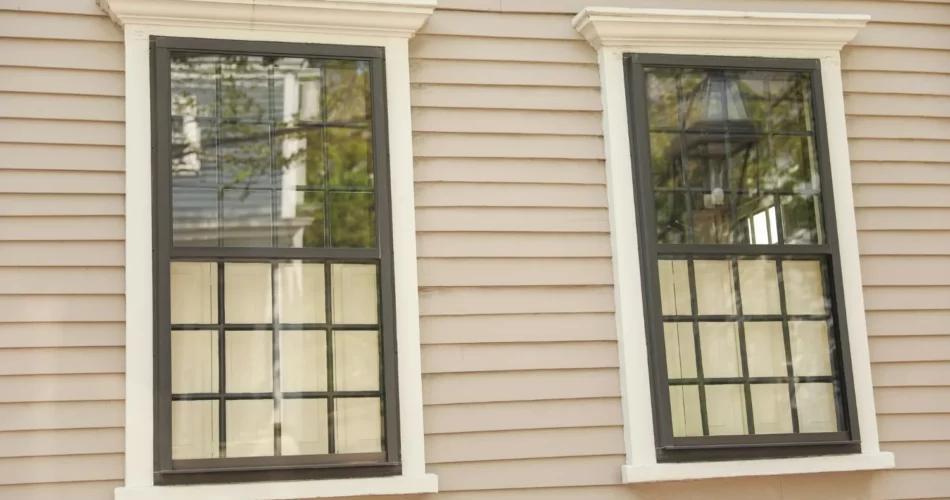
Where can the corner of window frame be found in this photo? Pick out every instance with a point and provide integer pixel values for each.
(381, 23)
(614, 32)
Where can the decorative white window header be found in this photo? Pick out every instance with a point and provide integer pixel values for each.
(391, 18)
(712, 30)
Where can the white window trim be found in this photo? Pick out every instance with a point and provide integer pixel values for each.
(615, 31)
(380, 23)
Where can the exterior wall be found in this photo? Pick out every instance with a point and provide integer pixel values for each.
(521, 383)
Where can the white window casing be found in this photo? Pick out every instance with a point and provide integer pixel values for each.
(616, 31)
(379, 23)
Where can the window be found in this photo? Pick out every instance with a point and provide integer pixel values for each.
(739, 253)
(274, 275)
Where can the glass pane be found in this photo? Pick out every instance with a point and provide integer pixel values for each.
(247, 218)
(354, 294)
(247, 293)
(194, 216)
(720, 345)
(301, 223)
(714, 287)
(303, 360)
(665, 162)
(817, 411)
(195, 430)
(250, 426)
(712, 218)
(350, 157)
(804, 292)
(674, 287)
(245, 89)
(302, 293)
(194, 362)
(795, 166)
(708, 157)
(245, 155)
(301, 158)
(672, 218)
(765, 349)
(301, 81)
(750, 163)
(758, 283)
(352, 220)
(758, 221)
(725, 410)
(248, 361)
(194, 81)
(771, 409)
(801, 218)
(811, 353)
(680, 350)
(304, 427)
(662, 102)
(359, 425)
(194, 293)
(791, 101)
(194, 151)
(348, 91)
(355, 361)
(684, 407)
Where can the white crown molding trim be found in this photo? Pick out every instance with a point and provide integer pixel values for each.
(642, 29)
(390, 18)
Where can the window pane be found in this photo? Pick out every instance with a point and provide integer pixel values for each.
(712, 218)
(674, 287)
(250, 426)
(663, 104)
(791, 101)
(358, 425)
(301, 156)
(301, 223)
(304, 427)
(249, 361)
(680, 350)
(684, 407)
(348, 91)
(356, 363)
(302, 293)
(194, 293)
(350, 157)
(811, 353)
(352, 220)
(245, 84)
(244, 152)
(194, 80)
(195, 430)
(354, 294)
(303, 360)
(714, 287)
(720, 345)
(801, 220)
(817, 410)
(247, 218)
(757, 220)
(765, 349)
(758, 283)
(794, 163)
(672, 217)
(247, 293)
(725, 410)
(804, 292)
(194, 362)
(771, 409)
(195, 216)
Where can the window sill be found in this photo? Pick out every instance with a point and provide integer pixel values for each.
(286, 490)
(741, 468)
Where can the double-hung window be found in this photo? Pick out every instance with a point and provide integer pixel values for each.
(275, 327)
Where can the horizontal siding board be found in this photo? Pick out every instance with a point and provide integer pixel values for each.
(467, 194)
(905, 270)
(70, 82)
(892, 150)
(920, 455)
(525, 97)
(53, 6)
(910, 400)
(509, 245)
(507, 146)
(527, 415)
(883, 82)
(895, 60)
(61, 107)
(87, 159)
(61, 415)
(61, 132)
(501, 49)
(511, 170)
(441, 71)
(900, 173)
(888, 107)
(61, 204)
(913, 298)
(455, 388)
(903, 196)
(61, 308)
(61, 442)
(514, 300)
(59, 27)
(61, 228)
(519, 445)
(36, 335)
(62, 361)
(899, 127)
(84, 490)
(909, 349)
(73, 387)
(61, 253)
(910, 484)
(552, 327)
(62, 54)
(29, 470)
(506, 121)
(536, 473)
(501, 25)
(518, 357)
(899, 323)
(62, 281)
(902, 218)
(517, 220)
(61, 182)
(904, 243)
(912, 374)
(914, 427)
(514, 272)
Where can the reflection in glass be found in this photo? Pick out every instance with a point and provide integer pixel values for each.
(758, 222)
(712, 218)
(804, 292)
(795, 167)
(662, 99)
(811, 352)
(302, 297)
(758, 283)
(195, 216)
(672, 215)
(350, 157)
(247, 218)
(352, 220)
(800, 220)
(301, 223)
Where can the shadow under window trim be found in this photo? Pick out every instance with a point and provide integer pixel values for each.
(742, 287)
(275, 339)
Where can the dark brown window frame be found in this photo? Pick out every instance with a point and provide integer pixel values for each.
(251, 469)
(753, 446)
